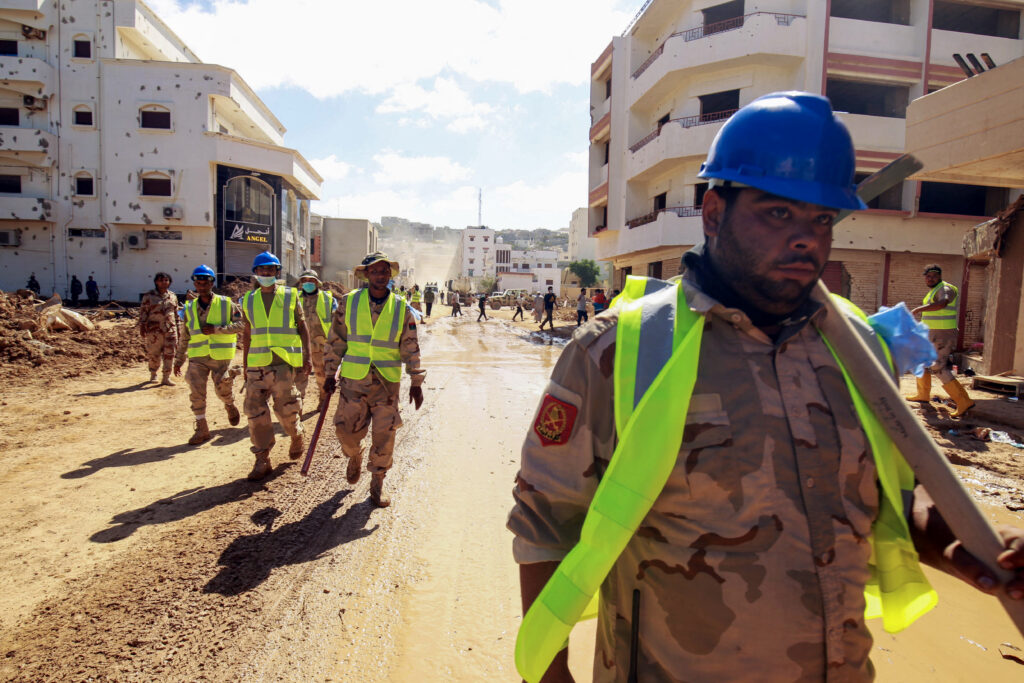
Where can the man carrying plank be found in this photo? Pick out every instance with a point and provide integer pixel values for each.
(750, 515)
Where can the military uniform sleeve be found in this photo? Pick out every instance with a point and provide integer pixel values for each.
(336, 344)
(144, 309)
(409, 350)
(237, 324)
(182, 349)
(567, 448)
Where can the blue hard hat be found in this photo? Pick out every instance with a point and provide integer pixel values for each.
(790, 144)
(203, 270)
(265, 259)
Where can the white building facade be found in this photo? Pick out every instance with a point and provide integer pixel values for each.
(476, 253)
(121, 154)
(661, 92)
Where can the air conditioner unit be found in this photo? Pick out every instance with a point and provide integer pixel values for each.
(10, 238)
(135, 240)
(171, 211)
(34, 103)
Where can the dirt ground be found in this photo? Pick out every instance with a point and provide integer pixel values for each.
(129, 556)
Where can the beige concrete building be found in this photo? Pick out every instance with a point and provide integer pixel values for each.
(341, 245)
(122, 154)
(661, 91)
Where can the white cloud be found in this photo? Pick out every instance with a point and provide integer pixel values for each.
(395, 169)
(522, 205)
(446, 101)
(331, 168)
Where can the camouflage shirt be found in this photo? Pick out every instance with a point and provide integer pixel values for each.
(235, 326)
(408, 343)
(158, 312)
(752, 562)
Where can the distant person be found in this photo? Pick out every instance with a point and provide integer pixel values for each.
(538, 307)
(416, 298)
(158, 326)
(33, 284)
(456, 306)
(428, 299)
(519, 308)
(581, 307)
(482, 298)
(600, 301)
(549, 309)
(76, 289)
(92, 290)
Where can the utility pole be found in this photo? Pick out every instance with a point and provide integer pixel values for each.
(480, 207)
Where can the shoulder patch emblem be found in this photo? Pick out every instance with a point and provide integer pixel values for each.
(554, 421)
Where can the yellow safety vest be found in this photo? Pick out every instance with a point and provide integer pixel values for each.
(369, 343)
(216, 346)
(664, 374)
(324, 309)
(416, 296)
(944, 318)
(273, 333)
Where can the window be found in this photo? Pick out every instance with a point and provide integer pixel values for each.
(155, 116)
(547, 265)
(471, 238)
(9, 116)
(86, 232)
(485, 238)
(714, 16)
(471, 272)
(11, 184)
(248, 200)
(549, 282)
(84, 186)
(884, 11)
(82, 116)
(715, 106)
(963, 200)
(698, 194)
(163, 234)
(654, 269)
(83, 48)
(472, 260)
(607, 151)
(9, 48)
(661, 201)
(869, 99)
(984, 21)
(663, 120)
(156, 185)
(608, 88)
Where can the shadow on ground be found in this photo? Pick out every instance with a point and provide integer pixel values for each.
(120, 390)
(127, 457)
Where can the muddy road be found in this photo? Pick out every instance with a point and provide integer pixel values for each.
(129, 556)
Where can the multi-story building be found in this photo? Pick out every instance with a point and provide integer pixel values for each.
(583, 246)
(343, 243)
(476, 253)
(661, 91)
(122, 154)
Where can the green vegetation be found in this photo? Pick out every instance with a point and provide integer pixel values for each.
(586, 270)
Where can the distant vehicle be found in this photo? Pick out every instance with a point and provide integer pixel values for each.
(506, 298)
(431, 287)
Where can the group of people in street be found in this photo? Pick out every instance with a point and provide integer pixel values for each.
(92, 289)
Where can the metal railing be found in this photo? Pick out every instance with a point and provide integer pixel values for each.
(704, 30)
(681, 211)
(685, 122)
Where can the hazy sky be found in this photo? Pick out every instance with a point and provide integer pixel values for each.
(406, 107)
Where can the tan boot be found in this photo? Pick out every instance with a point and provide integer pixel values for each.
(233, 416)
(958, 394)
(202, 433)
(166, 381)
(924, 388)
(377, 494)
(355, 468)
(261, 468)
(152, 375)
(295, 450)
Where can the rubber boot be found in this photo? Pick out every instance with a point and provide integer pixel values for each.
(295, 450)
(166, 381)
(924, 388)
(261, 468)
(958, 394)
(202, 433)
(377, 494)
(355, 468)
(233, 416)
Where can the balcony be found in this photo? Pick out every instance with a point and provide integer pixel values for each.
(875, 38)
(598, 112)
(876, 132)
(762, 38)
(22, 208)
(670, 144)
(947, 43)
(287, 163)
(675, 226)
(29, 146)
(26, 75)
(600, 178)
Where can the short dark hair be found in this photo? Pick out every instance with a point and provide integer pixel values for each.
(933, 268)
(160, 275)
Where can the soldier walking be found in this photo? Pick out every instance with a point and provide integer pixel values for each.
(209, 336)
(275, 342)
(76, 289)
(158, 326)
(373, 333)
(317, 307)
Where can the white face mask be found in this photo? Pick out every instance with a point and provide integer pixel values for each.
(266, 280)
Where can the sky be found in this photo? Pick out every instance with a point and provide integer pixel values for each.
(409, 107)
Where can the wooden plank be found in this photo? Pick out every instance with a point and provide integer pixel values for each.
(999, 385)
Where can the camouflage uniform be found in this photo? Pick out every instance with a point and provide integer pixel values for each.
(201, 369)
(317, 340)
(158, 322)
(752, 562)
(372, 397)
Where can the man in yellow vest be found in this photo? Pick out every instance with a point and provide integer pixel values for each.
(275, 342)
(939, 311)
(372, 335)
(318, 308)
(753, 556)
(212, 324)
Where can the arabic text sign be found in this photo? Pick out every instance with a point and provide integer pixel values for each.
(247, 232)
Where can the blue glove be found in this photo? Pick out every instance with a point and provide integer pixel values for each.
(907, 338)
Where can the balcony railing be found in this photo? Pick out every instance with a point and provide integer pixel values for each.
(681, 211)
(685, 122)
(704, 30)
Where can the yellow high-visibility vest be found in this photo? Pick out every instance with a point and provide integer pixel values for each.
(370, 343)
(648, 382)
(274, 333)
(944, 318)
(216, 346)
(416, 296)
(325, 309)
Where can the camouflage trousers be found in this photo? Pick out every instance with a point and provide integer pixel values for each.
(160, 346)
(944, 342)
(198, 372)
(360, 402)
(316, 358)
(277, 381)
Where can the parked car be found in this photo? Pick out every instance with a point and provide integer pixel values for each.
(506, 298)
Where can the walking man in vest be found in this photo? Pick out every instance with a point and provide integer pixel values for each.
(939, 311)
(210, 333)
(373, 333)
(416, 298)
(752, 554)
(276, 346)
(317, 307)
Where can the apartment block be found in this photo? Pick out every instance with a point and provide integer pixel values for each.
(341, 244)
(122, 154)
(661, 92)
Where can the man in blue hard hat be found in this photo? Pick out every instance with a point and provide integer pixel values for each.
(756, 557)
(208, 339)
(275, 342)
